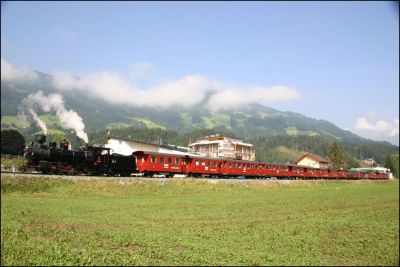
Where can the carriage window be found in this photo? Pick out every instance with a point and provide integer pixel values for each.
(177, 161)
(197, 163)
(203, 163)
(153, 159)
(169, 160)
(215, 164)
(230, 165)
(209, 163)
(235, 165)
(161, 159)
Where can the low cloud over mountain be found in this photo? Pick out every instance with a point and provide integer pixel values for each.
(185, 91)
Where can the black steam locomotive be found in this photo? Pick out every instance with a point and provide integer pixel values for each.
(91, 160)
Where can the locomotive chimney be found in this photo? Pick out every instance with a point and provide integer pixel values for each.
(40, 138)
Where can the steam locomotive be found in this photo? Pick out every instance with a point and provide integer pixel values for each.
(92, 160)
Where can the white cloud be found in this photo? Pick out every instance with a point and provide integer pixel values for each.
(380, 126)
(378, 129)
(395, 130)
(14, 73)
(229, 97)
(186, 91)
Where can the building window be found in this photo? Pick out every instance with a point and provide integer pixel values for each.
(153, 159)
(161, 159)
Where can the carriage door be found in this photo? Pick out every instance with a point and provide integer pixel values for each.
(184, 163)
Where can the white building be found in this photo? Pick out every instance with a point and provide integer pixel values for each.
(127, 146)
(223, 147)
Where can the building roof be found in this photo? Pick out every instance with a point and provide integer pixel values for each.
(167, 146)
(315, 157)
(219, 139)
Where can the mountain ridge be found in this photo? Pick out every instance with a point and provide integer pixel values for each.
(247, 121)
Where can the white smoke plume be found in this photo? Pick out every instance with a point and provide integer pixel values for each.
(54, 102)
(38, 121)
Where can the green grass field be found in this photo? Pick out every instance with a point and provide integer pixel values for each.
(47, 221)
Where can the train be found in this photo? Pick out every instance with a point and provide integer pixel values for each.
(97, 160)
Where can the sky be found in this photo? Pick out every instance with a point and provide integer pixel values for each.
(336, 61)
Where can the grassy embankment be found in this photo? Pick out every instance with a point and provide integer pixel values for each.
(195, 222)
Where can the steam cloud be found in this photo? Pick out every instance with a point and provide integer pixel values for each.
(54, 102)
(38, 121)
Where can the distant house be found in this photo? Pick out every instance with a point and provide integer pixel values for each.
(313, 161)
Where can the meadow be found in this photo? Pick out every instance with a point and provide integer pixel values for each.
(48, 221)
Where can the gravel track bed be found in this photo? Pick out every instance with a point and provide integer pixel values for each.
(130, 179)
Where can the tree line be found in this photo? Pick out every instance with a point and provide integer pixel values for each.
(341, 154)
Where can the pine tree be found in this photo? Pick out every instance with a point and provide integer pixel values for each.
(12, 142)
(392, 163)
(336, 155)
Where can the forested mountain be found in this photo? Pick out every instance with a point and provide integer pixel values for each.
(278, 136)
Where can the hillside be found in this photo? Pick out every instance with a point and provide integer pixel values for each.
(253, 122)
(248, 121)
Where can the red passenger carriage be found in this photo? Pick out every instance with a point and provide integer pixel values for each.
(200, 166)
(150, 163)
